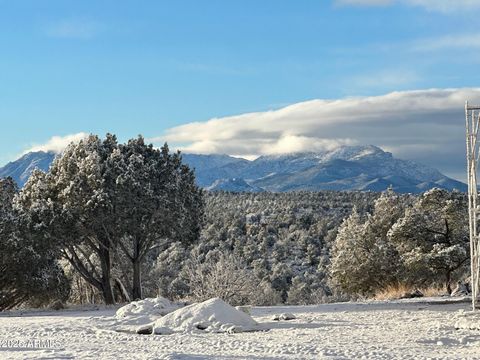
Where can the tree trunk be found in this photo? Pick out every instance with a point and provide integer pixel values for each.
(448, 282)
(137, 271)
(137, 280)
(123, 290)
(107, 292)
(106, 265)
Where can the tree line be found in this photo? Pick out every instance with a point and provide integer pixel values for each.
(418, 242)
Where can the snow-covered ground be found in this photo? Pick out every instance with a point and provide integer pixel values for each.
(410, 329)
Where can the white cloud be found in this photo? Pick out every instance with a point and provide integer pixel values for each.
(431, 5)
(364, 2)
(425, 125)
(58, 143)
(75, 28)
(455, 41)
(390, 79)
(445, 5)
(296, 143)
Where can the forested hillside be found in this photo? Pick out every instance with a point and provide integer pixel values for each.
(281, 242)
(310, 247)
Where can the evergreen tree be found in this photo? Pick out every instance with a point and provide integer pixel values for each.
(29, 271)
(157, 201)
(433, 239)
(348, 266)
(364, 260)
(73, 204)
(101, 199)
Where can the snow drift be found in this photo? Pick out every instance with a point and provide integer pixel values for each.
(213, 315)
(468, 321)
(145, 311)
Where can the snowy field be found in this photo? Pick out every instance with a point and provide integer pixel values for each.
(408, 329)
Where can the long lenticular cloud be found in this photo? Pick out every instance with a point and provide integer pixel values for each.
(425, 125)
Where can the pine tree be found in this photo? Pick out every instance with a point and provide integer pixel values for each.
(29, 271)
(432, 238)
(348, 257)
(72, 203)
(364, 260)
(101, 197)
(158, 201)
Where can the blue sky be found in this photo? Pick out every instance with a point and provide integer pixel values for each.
(132, 67)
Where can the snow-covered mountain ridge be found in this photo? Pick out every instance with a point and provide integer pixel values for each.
(344, 168)
(21, 168)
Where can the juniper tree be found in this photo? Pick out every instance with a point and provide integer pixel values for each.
(432, 237)
(158, 201)
(100, 198)
(29, 271)
(73, 206)
(8, 189)
(363, 259)
(347, 263)
(9, 294)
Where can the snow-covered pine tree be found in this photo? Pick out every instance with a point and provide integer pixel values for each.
(347, 268)
(8, 189)
(72, 204)
(432, 238)
(9, 295)
(29, 271)
(100, 198)
(363, 258)
(158, 201)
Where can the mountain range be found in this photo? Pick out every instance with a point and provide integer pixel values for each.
(21, 168)
(344, 168)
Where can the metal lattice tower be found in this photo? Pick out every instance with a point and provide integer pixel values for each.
(472, 116)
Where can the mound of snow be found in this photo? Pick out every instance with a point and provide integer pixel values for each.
(213, 315)
(468, 321)
(145, 311)
(284, 316)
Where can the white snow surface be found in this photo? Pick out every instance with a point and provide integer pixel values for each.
(469, 320)
(145, 311)
(405, 329)
(213, 315)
